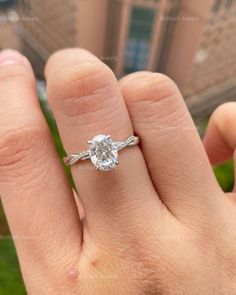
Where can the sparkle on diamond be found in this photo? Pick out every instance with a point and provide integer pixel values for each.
(104, 154)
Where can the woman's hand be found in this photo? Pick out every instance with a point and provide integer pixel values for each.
(158, 224)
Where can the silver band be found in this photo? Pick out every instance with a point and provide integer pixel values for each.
(103, 152)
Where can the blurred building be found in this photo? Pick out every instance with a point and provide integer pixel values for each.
(44, 27)
(8, 38)
(193, 42)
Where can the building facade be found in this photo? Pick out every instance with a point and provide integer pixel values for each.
(191, 41)
(8, 38)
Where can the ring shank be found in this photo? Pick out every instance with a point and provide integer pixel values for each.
(84, 155)
(74, 158)
(130, 141)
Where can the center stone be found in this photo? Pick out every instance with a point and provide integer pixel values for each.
(103, 152)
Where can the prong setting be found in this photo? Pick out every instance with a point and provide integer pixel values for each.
(103, 152)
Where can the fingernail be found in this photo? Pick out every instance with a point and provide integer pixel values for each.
(9, 56)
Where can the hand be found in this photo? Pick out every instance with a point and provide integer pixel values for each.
(158, 224)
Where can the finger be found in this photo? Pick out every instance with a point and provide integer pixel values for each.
(37, 199)
(220, 137)
(86, 101)
(79, 205)
(172, 148)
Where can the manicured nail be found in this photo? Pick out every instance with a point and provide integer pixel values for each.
(9, 56)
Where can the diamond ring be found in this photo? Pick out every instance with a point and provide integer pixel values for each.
(103, 152)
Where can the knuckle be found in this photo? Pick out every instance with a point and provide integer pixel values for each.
(15, 72)
(154, 99)
(83, 88)
(223, 117)
(150, 86)
(225, 114)
(21, 144)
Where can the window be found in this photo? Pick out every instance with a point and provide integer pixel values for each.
(6, 3)
(139, 38)
(228, 4)
(216, 6)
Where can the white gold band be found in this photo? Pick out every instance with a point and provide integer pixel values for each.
(103, 152)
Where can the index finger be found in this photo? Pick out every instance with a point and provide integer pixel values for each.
(37, 199)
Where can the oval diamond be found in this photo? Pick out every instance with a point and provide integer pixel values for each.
(103, 153)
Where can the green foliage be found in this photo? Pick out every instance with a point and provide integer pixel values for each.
(225, 175)
(10, 276)
(56, 137)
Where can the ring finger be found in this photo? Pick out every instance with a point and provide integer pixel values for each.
(86, 101)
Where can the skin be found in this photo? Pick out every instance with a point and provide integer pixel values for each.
(158, 224)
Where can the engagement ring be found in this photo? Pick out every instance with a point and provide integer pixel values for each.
(103, 152)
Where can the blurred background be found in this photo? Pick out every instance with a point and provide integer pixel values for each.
(193, 42)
